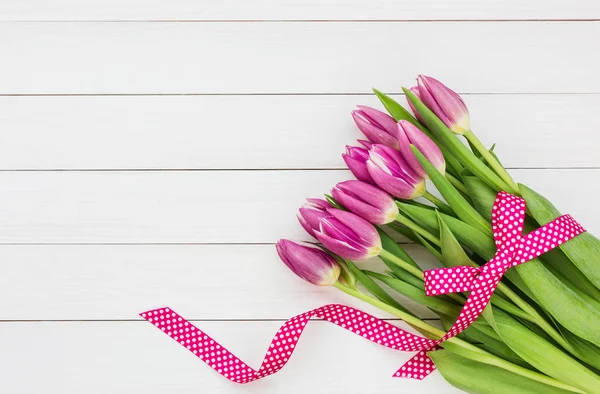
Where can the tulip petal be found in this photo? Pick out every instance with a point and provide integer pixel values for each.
(380, 118)
(309, 262)
(395, 186)
(372, 132)
(409, 134)
(358, 168)
(341, 248)
(362, 229)
(406, 152)
(427, 99)
(367, 201)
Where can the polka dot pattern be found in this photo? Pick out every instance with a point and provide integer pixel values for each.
(513, 248)
(284, 342)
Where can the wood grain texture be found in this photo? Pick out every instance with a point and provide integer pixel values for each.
(125, 357)
(68, 10)
(115, 282)
(269, 132)
(205, 206)
(251, 58)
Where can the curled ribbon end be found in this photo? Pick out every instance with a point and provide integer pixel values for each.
(418, 367)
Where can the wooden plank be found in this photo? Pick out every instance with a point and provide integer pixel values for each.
(349, 57)
(189, 132)
(136, 357)
(205, 206)
(115, 282)
(292, 10)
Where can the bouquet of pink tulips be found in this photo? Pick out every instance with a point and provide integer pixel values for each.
(541, 331)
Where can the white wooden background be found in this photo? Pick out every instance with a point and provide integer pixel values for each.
(151, 153)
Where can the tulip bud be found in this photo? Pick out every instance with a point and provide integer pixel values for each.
(377, 126)
(310, 213)
(309, 262)
(348, 235)
(408, 134)
(367, 201)
(392, 173)
(356, 160)
(415, 90)
(445, 103)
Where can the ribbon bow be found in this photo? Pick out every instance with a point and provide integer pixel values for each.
(512, 248)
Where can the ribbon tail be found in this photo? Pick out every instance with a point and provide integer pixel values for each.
(418, 367)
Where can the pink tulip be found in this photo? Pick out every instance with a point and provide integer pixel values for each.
(310, 213)
(309, 262)
(348, 235)
(356, 160)
(408, 134)
(445, 103)
(377, 126)
(367, 201)
(391, 172)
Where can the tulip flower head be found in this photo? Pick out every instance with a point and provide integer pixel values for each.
(377, 126)
(391, 172)
(445, 103)
(310, 213)
(367, 201)
(408, 134)
(309, 262)
(348, 235)
(356, 160)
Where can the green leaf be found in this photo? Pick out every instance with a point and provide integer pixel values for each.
(560, 265)
(391, 246)
(457, 202)
(374, 288)
(453, 255)
(432, 249)
(478, 378)
(583, 250)
(334, 203)
(469, 236)
(575, 310)
(456, 147)
(436, 304)
(482, 196)
(397, 111)
(475, 151)
(488, 337)
(400, 229)
(584, 350)
(544, 356)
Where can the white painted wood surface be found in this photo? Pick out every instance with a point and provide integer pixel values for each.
(152, 152)
(292, 57)
(267, 10)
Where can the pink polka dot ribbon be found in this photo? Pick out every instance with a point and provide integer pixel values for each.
(512, 248)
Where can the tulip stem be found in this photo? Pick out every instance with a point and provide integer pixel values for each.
(456, 183)
(438, 203)
(492, 161)
(401, 263)
(418, 229)
(468, 350)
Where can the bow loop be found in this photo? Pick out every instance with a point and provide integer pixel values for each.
(508, 218)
